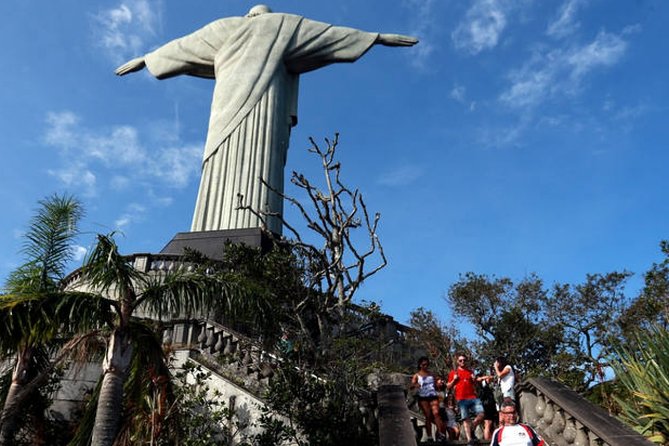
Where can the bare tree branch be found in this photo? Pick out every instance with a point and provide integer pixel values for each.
(341, 266)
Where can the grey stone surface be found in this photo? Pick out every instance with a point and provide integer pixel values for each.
(256, 61)
(560, 414)
(394, 422)
(212, 243)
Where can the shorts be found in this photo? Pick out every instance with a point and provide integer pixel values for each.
(470, 407)
(427, 398)
(490, 413)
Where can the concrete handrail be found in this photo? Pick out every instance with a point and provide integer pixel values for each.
(563, 417)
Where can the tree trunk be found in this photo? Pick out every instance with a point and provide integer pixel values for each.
(11, 411)
(110, 401)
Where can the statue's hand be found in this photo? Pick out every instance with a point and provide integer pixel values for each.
(131, 66)
(396, 40)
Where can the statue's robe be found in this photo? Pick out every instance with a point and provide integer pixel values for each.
(256, 62)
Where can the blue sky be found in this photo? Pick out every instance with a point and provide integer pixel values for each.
(517, 137)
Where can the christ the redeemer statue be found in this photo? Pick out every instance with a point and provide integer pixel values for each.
(256, 61)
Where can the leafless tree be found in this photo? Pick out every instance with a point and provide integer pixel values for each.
(339, 267)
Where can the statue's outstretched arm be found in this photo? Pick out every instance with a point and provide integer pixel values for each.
(396, 40)
(131, 66)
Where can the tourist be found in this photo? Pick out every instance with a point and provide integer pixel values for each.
(450, 418)
(507, 378)
(427, 397)
(463, 379)
(490, 416)
(512, 433)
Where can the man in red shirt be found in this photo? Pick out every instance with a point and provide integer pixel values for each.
(464, 381)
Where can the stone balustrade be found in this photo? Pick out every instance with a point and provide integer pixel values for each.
(564, 418)
(232, 355)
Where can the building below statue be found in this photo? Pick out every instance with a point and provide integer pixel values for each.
(212, 243)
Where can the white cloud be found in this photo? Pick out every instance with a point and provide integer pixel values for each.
(632, 29)
(606, 50)
(76, 176)
(177, 165)
(422, 19)
(561, 72)
(565, 22)
(60, 130)
(119, 182)
(123, 29)
(134, 213)
(121, 145)
(400, 176)
(78, 253)
(481, 28)
(118, 154)
(458, 93)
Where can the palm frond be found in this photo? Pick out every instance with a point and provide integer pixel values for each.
(49, 237)
(107, 271)
(643, 370)
(187, 293)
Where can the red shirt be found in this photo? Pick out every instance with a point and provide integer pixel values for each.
(465, 386)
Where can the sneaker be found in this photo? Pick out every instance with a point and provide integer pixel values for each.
(441, 437)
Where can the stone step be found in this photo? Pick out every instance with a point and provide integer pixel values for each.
(451, 443)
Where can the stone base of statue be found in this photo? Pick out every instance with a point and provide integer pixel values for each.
(212, 243)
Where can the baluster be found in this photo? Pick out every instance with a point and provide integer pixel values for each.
(219, 344)
(569, 432)
(202, 338)
(581, 435)
(167, 336)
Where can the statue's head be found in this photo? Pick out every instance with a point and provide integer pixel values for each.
(257, 10)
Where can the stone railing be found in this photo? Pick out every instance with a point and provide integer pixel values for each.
(157, 263)
(564, 418)
(232, 355)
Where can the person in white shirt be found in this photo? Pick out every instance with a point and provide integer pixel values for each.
(512, 433)
(507, 379)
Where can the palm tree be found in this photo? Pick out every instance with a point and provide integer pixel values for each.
(131, 293)
(34, 308)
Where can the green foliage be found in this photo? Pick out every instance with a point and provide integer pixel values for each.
(326, 411)
(643, 372)
(509, 322)
(198, 416)
(651, 307)
(589, 314)
(30, 312)
(562, 333)
(47, 246)
(429, 334)
(279, 275)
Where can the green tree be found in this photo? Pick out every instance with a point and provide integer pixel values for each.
(589, 314)
(131, 293)
(651, 307)
(441, 343)
(508, 320)
(36, 312)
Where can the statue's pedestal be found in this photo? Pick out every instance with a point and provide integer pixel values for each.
(212, 243)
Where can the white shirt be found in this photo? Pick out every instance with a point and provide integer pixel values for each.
(516, 435)
(507, 382)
